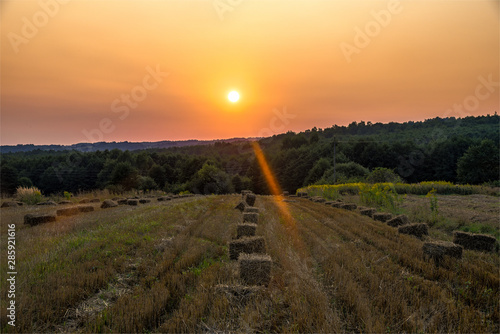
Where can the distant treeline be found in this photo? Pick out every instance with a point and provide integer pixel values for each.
(462, 150)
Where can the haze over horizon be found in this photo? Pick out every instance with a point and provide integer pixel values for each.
(79, 71)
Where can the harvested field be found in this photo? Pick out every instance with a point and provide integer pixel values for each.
(165, 267)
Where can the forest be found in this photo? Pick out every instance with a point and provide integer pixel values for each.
(458, 150)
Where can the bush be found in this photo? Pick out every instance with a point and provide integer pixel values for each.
(25, 182)
(381, 195)
(383, 175)
(147, 183)
(29, 195)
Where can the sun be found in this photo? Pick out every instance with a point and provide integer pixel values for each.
(233, 96)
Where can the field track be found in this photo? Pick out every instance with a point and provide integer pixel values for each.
(164, 267)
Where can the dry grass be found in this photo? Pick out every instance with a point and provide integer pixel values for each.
(159, 267)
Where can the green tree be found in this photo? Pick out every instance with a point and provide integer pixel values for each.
(8, 179)
(125, 175)
(158, 173)
(345, 172)
(479, 164)
(320, 167)
(144, 162)
(51, 181)
(211, 180)
(25, 182)
(146, 183)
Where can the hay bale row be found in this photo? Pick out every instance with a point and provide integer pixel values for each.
(474, 241)
(337, 205)
(35, 219)
(144, 200)
(438, 250)
(84, 201)
(417, 230)
(163, 198)
(95, 200)
(122, 201)
(255, 269)
(108, 204)
(398, 221)
(250, 217)
(245, 230)
(246, 245)
(248, 249)
(382, 216)
(65, 202)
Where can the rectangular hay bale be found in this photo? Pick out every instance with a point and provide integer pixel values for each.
(417, 230)
(382, 216)
(349, 206)
(74, 210)
(255, 269)
(34, 219)
(437, 250)
(250, 217)
(85, 208)
(474, 241)
(245, 230)
(367, 212)
(246, 245)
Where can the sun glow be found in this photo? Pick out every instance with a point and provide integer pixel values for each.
(233, 96)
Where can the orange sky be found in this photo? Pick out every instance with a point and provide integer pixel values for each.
(291, 61)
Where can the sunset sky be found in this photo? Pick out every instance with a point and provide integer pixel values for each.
(84, 71)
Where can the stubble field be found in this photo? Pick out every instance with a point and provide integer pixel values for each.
(164, 267)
